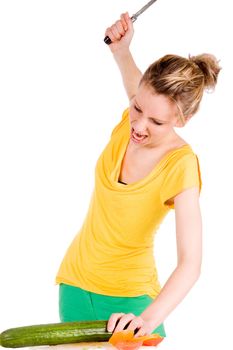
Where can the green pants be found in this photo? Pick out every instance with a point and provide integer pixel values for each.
(76, 304)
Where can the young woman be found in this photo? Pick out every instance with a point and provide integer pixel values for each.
(109, 271)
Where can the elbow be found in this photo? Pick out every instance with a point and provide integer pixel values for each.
(196, 270)
(195, 273)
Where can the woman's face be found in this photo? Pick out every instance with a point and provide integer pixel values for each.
(152, 118)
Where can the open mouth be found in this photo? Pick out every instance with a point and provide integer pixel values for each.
(138, 138)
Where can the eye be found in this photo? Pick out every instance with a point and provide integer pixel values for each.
(137, 109)
(155, 122)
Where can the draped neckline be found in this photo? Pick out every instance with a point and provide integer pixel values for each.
(146, 178)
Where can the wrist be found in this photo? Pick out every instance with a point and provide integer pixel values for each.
(121, 52)
(150, 320)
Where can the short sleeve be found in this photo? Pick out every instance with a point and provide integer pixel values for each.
(124, 118)
(184, 174)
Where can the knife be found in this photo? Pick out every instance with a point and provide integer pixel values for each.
(108, 41)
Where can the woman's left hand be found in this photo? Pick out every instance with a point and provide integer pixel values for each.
(121, 320)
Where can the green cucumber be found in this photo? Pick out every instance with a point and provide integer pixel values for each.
(55, 333)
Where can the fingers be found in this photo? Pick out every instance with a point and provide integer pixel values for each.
(113, 320)
(141, 332)
(124, 321)
(116, 31)
(128, 20)
(119, 28)
(124, 21)
(119, 321)
(137, 323)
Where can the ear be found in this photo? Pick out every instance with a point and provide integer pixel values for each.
(180, 123)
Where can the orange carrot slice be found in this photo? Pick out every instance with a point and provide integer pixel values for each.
(125, 340)
(128, 345)
(121, 336)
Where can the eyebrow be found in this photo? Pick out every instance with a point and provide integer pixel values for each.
(156, 119)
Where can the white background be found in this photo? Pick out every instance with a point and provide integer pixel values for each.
(60, 96)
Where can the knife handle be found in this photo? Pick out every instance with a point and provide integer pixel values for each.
(108, 41)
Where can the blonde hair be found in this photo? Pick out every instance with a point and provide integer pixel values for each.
(183, 80)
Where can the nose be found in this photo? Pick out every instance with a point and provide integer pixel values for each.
(140, 126)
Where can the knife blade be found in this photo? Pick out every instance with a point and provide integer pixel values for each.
(144, 8)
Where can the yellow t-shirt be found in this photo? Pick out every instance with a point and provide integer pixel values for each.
(113, 252)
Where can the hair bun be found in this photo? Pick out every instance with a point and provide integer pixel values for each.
(210, 68)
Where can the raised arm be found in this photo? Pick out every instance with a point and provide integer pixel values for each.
(121, 34)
